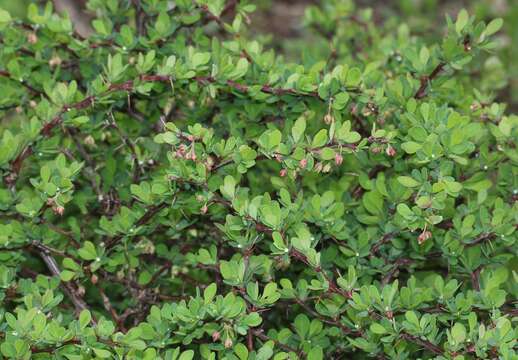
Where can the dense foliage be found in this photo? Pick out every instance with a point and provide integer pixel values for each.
(174, 189)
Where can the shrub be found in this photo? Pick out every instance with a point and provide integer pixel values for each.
(174, 189)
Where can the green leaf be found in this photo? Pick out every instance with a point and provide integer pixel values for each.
(5, 18)
(297, 131)
(405, 211)
(88, 251)
(316, 353)
(494, 26)
(320, 139)
(187, 355)
(228, 188)
(199, 59)
(103, 354)
(462, 21)
(458, 332)
(209, 293)
(407, 181)
(373, 202)
(84, 318)
(240, 69)
(377, 329)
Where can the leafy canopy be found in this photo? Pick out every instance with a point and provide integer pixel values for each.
(174, 189)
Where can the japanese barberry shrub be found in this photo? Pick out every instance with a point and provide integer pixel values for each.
(174, 189)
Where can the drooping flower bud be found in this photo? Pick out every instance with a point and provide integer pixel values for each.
(58, 210)
(32, 38)
(339, 159)
(228, 343)
(328, 119)
(425, 235)
(390, 151)
(215, 336)
(55, 61)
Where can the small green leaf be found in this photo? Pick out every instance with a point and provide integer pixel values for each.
(407, 181)
(462, 21)
(494, 26)
(209, 293)
(411, 147)
(320, 139)
(84, 318)
(377, 329)
(298, 128)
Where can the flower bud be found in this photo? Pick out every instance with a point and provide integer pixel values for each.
(326, 168)
(228, 343)
(204, 209)
(339, 159)
(215, 336)
(283, 172)
(328, 119)
(425, 235)
(81, 290)
(193, 154)
(89, 140)
(32, 38)
(390, 151)
(303, 163)
(55, 61)
(58, 210)
(94, 279)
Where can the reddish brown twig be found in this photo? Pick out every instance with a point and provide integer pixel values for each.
(426, 80)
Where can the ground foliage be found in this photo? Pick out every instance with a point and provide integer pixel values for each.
(174, 189)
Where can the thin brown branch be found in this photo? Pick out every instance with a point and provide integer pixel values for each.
(148, 215)
(424, 343)
(68, 288)
(426, 80)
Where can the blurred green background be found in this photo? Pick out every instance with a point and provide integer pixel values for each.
(281, 19)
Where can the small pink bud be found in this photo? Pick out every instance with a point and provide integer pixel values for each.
(228, 343)
(425, 235)
(192, 154)
(204, 209)
(278, 157)
(303, 163)
(390, 151)
(283, 172)
(339, 159)
(58, 210)
(215, 336)
(55, 61)
(32, 38)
